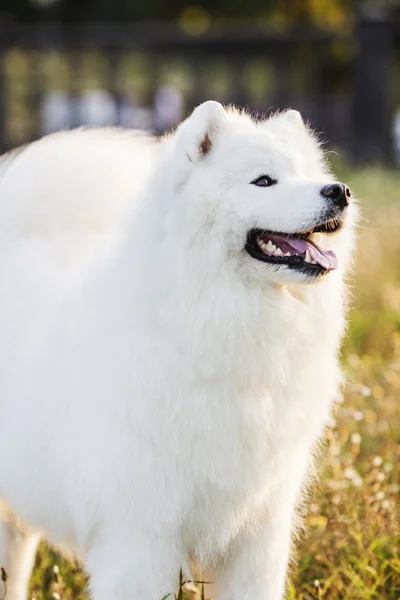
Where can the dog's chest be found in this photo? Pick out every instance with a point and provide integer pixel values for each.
(231, 479)
(249, 435)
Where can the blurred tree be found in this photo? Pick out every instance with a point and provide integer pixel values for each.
(20, 8)
(321, 12)
(333, 12)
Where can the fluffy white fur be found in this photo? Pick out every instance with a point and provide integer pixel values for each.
(161, 391)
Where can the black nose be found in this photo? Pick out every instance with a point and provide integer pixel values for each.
(338, 192)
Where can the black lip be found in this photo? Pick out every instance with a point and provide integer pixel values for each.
(329, 226)
(332, 223)
(293, 262)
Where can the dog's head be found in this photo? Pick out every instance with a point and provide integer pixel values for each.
(260, 194)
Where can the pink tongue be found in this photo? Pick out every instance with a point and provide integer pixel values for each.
(326, 258)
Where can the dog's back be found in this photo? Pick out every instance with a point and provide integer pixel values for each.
(54, 206)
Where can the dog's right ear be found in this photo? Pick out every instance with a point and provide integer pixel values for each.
(293, 118)
(196, 135)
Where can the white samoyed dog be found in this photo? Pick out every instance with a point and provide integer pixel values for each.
(170, 318)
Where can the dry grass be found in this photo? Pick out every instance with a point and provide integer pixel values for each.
(351, 547)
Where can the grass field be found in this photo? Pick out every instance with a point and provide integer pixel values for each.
(350, 550)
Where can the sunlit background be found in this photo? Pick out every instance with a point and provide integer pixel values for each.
(146, 64)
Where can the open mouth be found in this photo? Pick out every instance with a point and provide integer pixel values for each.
(297, 250)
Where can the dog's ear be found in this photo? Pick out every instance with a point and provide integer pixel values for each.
(197, 134)
(292, 118)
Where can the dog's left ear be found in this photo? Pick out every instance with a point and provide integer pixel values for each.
(197, 134)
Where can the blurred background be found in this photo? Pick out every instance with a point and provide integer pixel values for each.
(145, 64)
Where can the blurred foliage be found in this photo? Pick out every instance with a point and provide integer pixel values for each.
(321, 12)
(374, 328)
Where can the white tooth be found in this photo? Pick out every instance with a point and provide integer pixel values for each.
(316, 238)
(313, 262)
(288, 254)
(308, 257)
(271, 247)
(262, 244)
(278, 252)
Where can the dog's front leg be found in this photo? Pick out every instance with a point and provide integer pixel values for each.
(256, 566)
(144, 568)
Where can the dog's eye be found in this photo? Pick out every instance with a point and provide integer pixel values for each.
(264, 181)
